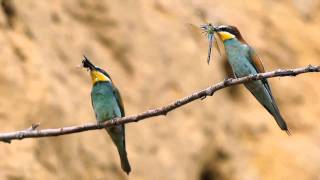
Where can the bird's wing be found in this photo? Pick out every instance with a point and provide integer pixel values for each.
(256, 61)
(257, 64)
(119, 100)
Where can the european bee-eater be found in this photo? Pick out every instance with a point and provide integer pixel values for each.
(107, 104)
(245, 61)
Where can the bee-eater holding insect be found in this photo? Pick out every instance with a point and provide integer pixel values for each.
(245, 61)
(107, 104)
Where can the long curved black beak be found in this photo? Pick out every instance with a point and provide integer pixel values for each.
(87, 64)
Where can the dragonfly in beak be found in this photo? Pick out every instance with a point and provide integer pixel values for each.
(213, 37)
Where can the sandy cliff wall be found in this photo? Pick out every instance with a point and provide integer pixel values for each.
(154, 58)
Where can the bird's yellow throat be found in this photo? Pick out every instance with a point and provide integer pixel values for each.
(225, 35)
(97, 76)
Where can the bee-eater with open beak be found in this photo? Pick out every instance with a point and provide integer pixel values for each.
(107, 104)
(245, 61)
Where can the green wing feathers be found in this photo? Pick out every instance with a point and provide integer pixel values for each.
(256, 61)
(119, 100)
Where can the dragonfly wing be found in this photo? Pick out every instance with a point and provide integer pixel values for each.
(219, 44)
(211, 39)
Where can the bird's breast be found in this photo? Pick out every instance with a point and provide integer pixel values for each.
(104, 103)
(238, 59)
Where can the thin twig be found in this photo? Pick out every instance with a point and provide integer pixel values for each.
(34, 133)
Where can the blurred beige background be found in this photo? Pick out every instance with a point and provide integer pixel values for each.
(154, 57)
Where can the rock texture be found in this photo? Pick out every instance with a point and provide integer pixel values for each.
(154, 58)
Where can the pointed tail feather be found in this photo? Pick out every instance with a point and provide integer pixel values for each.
(125, 165)
(264, 96)
(280, 121)
(277, 116)
(117, 135)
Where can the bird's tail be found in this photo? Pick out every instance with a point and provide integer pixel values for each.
(276, 114)
(125, 165)
(280, 121)
(119, 140)
(264, 96)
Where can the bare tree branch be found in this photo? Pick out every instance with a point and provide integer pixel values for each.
(32, 132)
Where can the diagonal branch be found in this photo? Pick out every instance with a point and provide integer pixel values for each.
(32, 132)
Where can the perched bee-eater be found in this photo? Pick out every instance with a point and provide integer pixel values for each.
(245, 61)
(107, 104)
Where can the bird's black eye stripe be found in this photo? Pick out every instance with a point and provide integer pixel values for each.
(227, 29)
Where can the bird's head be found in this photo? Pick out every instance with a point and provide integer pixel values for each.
(97, 74)
(227, 32)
